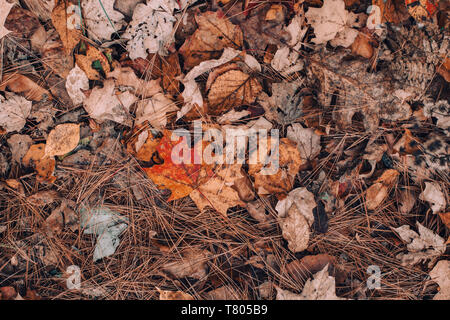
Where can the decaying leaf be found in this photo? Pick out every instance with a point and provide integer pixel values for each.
(173, 295)
(104, 104)
(422, 246)
(217, 192)
(63, 139)
(281, 181)
(192, 263)
(44, 166)
(295, 213)
(142, 143)
(43, 198)
(215, 32)
(321, 287)
(19, 145)
(108, 225)
(441, 275)
(151, 29)
(14, 111)
(101, 19)
(76, 82)
(54, 55)
(18, 83)
(434, 196)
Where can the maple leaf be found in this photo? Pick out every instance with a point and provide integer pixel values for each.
(180, 178)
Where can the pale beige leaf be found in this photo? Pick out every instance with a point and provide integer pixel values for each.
(63, 139)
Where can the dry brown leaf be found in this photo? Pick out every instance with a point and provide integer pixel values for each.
(85, 62)
(54, 56)
(141, 142)
(192, 263)
(43, 166)
(173, 295)
(362, 45)
(6, 7)
(127, 77)
(217, 192)
(230, 89)
(282, 181)
(23, 85)
(379, 191)
(305, 267)
(43, 198)
(63, 18)
(215, 32)
(393, 11)
(63, 139)
(445, 218)
(441, 275)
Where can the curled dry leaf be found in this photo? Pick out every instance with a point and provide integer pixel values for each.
(295, 217)
(434, 196)
(101, 19)
(14, 111)
(44, 166)
(104, 104)
(63, 139)
(321, 287)
(378, 192)
(18, 83)
(76, 82)
(441, 275)
(217, 192)
(215, 32)
(422, 246)
(192, 263)
(173, 295)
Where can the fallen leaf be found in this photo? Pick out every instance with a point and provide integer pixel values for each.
(173, 295)
(86, 62)
(282, 181)
(305, 267)
(422, 246)
(434, 196)
(66, 19)
(44, 166)
(180, 178)
(43, 198)
(295, 214)
(19, 145)
(142, 143)
(104, 104)
(151, 28)
(54, 55)
(101, 19)
(43, 8)
(217, 192)
(14, 111)
(393, 11)
(230, 88)
(378, 192)
(441, 275)
(8, 293)
(215, 32)
(63, 139)
(321, 287)
(445, 218)
(308, 142)
(107, 225)
(127, 77)
(224, 293)
(332, 22)
(6, 7)
(191, 263)
(18, 83)
(362, 45)
(76, 82)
